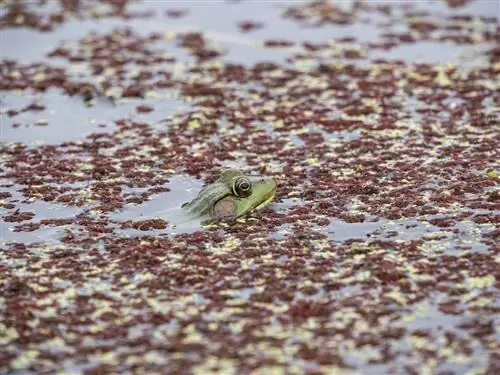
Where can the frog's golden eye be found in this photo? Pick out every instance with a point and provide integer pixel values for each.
(242, 187)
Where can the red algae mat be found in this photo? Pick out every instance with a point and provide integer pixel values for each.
(380, 253)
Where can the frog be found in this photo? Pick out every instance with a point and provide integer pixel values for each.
(233, 195)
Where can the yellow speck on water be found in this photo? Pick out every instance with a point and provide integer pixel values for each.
(24, 359)
(119, 135)
(482, 302)
(87, 167)
(218, 64)
(64, 372)
(236, 302)
(313, 161)
(95, 328)
(278, 124)
(39, 77)
(236, 154)
(276, 331)
(129, 286)
(397, 297)
(169, 35)
(408, 318)
(156, 358)
(246, 264)
(192, 335)
(144, 277)
(334, 370)
(215, 366)
(481, 282)
(8, 334)
(418, 342)
(19, 19)
(363, 275)
(134, 333)
(213, 326)
(239, 114)
(33, 323)
(69, 294)
(270, 370)
(229, 245)
(194, 124)
(269, 117)
(237, 327)
(442, 78)
(492, 174)
(59, 344)
(416, 76)
(107, 358)
(361, 326)
(159, 306)
(294, 194)
(151, 94)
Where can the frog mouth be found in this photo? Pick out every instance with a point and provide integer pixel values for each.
(268, 198)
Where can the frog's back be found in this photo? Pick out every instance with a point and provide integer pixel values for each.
(206, 199)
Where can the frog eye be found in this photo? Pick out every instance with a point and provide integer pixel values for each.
(242, 187)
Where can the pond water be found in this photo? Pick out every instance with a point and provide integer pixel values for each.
(379, 253)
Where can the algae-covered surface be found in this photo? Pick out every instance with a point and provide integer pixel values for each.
(380, 122)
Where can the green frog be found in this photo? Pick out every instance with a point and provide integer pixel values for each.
(232, 195)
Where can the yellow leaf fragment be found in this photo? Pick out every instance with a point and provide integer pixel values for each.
(24, 359)
(492, 174)
(481, 282)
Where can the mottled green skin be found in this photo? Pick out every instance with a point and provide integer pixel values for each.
(221, 197)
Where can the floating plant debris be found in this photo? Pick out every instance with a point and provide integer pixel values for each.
(378, 120)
